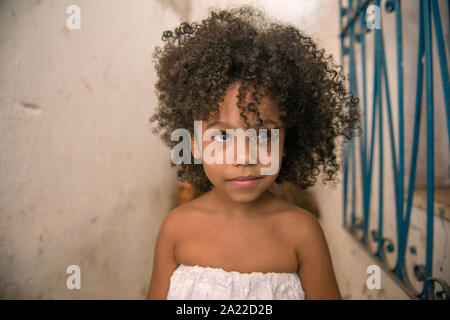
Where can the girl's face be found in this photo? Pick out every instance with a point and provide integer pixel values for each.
(223, 176)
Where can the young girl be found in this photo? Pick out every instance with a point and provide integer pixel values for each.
(236, 240)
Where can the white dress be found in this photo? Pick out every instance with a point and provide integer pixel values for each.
(206, 283)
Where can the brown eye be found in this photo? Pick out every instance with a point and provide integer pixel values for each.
(268, 135)
(222, 136)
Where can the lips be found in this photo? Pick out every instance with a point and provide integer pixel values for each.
(245, 178)
(245, 181)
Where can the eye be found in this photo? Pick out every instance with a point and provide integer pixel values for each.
(268, 135)
(222, 136)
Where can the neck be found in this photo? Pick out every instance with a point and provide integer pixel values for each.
(233, 209)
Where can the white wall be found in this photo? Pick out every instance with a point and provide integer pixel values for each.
(83, 179)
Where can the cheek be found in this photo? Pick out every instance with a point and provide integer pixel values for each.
(214, 172)
(272, 155)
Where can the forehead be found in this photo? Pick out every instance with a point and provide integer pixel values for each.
(230, 112)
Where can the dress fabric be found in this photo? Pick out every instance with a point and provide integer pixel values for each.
(206, 283)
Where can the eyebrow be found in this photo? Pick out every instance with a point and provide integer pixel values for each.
(268, 121)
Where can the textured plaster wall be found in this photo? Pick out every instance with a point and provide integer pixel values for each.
(82, 178)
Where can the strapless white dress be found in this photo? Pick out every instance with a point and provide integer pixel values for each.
(206, 283)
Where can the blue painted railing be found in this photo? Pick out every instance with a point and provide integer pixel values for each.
(353, 14)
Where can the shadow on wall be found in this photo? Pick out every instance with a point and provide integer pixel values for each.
(287, 191)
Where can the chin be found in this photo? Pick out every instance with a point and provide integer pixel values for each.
(243, 195)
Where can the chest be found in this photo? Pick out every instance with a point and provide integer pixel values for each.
(242, 247)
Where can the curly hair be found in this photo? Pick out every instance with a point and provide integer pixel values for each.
(199, 61)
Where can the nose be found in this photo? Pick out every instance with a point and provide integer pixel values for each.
(246, 155)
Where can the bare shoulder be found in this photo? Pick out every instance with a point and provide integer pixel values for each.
(170, 226)
(305, 234)
(164, 261)
(295, 218)
(184, 217)
(178, 216)
(186, 211)
(300, 226)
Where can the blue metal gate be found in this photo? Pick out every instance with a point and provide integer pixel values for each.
(353, 14)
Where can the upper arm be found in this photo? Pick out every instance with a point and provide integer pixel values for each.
(315, 266)
(164, 262)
